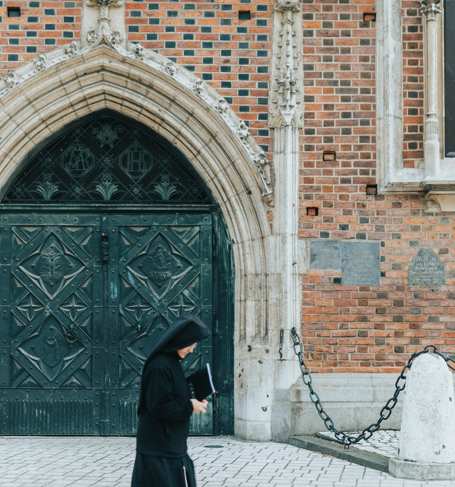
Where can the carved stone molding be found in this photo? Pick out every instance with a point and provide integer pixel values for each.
(287, 74)
(103, 32)
(196, 86)
(283, 5)
(286, 120)
(430, 8)
(439, 198)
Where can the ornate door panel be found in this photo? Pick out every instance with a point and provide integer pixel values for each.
(160, 268)
(51, 336)
(116, 246)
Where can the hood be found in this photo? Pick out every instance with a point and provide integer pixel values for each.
(181, 334)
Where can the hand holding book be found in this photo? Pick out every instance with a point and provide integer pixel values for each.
(201, 383)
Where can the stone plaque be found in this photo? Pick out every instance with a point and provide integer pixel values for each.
(360, 263)
(426, 270)
(325, 254)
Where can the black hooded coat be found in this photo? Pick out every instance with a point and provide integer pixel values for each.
(165, 410)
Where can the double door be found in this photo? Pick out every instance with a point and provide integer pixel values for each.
(82, 296)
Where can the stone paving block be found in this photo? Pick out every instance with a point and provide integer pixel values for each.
(102, 462)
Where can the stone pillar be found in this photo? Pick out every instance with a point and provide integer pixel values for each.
(431, 9)
(427, 440)
(389, 97)
(285, 122)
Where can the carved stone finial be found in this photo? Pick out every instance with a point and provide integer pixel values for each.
(198, 86)
(138, 51)
(286, 96)
(103, 33)
(10, 79)
(243, 131)
(263, 167)
(72, 49)
(430, 8)
(41, 62)
(222, 106)
(104, 3)
(283, 5)
(170, 68)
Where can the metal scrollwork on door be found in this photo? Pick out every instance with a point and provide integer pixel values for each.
(107, 158)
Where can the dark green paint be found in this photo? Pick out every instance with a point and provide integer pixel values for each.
(86, 286)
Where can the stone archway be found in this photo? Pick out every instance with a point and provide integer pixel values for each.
(39, 99)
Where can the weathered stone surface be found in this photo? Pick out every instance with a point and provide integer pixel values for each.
(427, 440)
(360, 263)
(426, 270)
(325, 254)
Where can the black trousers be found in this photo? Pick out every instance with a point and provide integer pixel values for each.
(151, 471)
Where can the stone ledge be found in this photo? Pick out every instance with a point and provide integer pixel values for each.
(352, 454)
(421, 471)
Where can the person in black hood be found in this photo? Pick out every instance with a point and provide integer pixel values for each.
(165, 408)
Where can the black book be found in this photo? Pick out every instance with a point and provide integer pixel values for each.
(201, 383)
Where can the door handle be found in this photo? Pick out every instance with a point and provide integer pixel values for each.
(104, 247)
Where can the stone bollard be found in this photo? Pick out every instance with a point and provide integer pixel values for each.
(427, 439)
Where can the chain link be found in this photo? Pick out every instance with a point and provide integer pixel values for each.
(400, 384)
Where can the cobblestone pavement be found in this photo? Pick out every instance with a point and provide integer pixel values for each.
(103, 462)
(383, 442)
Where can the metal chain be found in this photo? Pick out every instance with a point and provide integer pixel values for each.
(344, 438)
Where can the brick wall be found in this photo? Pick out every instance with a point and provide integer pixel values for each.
(365, 328)
(228, 44)
(413, 87)
(41, 27)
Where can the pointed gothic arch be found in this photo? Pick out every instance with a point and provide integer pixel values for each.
(40, 99)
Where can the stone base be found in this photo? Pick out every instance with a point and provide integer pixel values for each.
(405, 469)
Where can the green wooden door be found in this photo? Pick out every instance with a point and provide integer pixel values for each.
(52, 349)
(107, 236)
(160, 269)
(82, 297)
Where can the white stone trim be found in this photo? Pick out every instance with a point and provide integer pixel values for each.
(103, 22)
(187, 80)
(36, 104)
(389, 94)
(436, 174)
(286, 120)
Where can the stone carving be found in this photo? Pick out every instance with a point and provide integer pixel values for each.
(41, 62)
(222, 106)
(426, 270)
(243, 131)
(104, 3)
(138, 51)
(430, 7)
(283, 5)
(10, 79)
(103, 33)
(286, 97)
(262, 165)
(72, 49)
(170, 68)
(198, 86)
